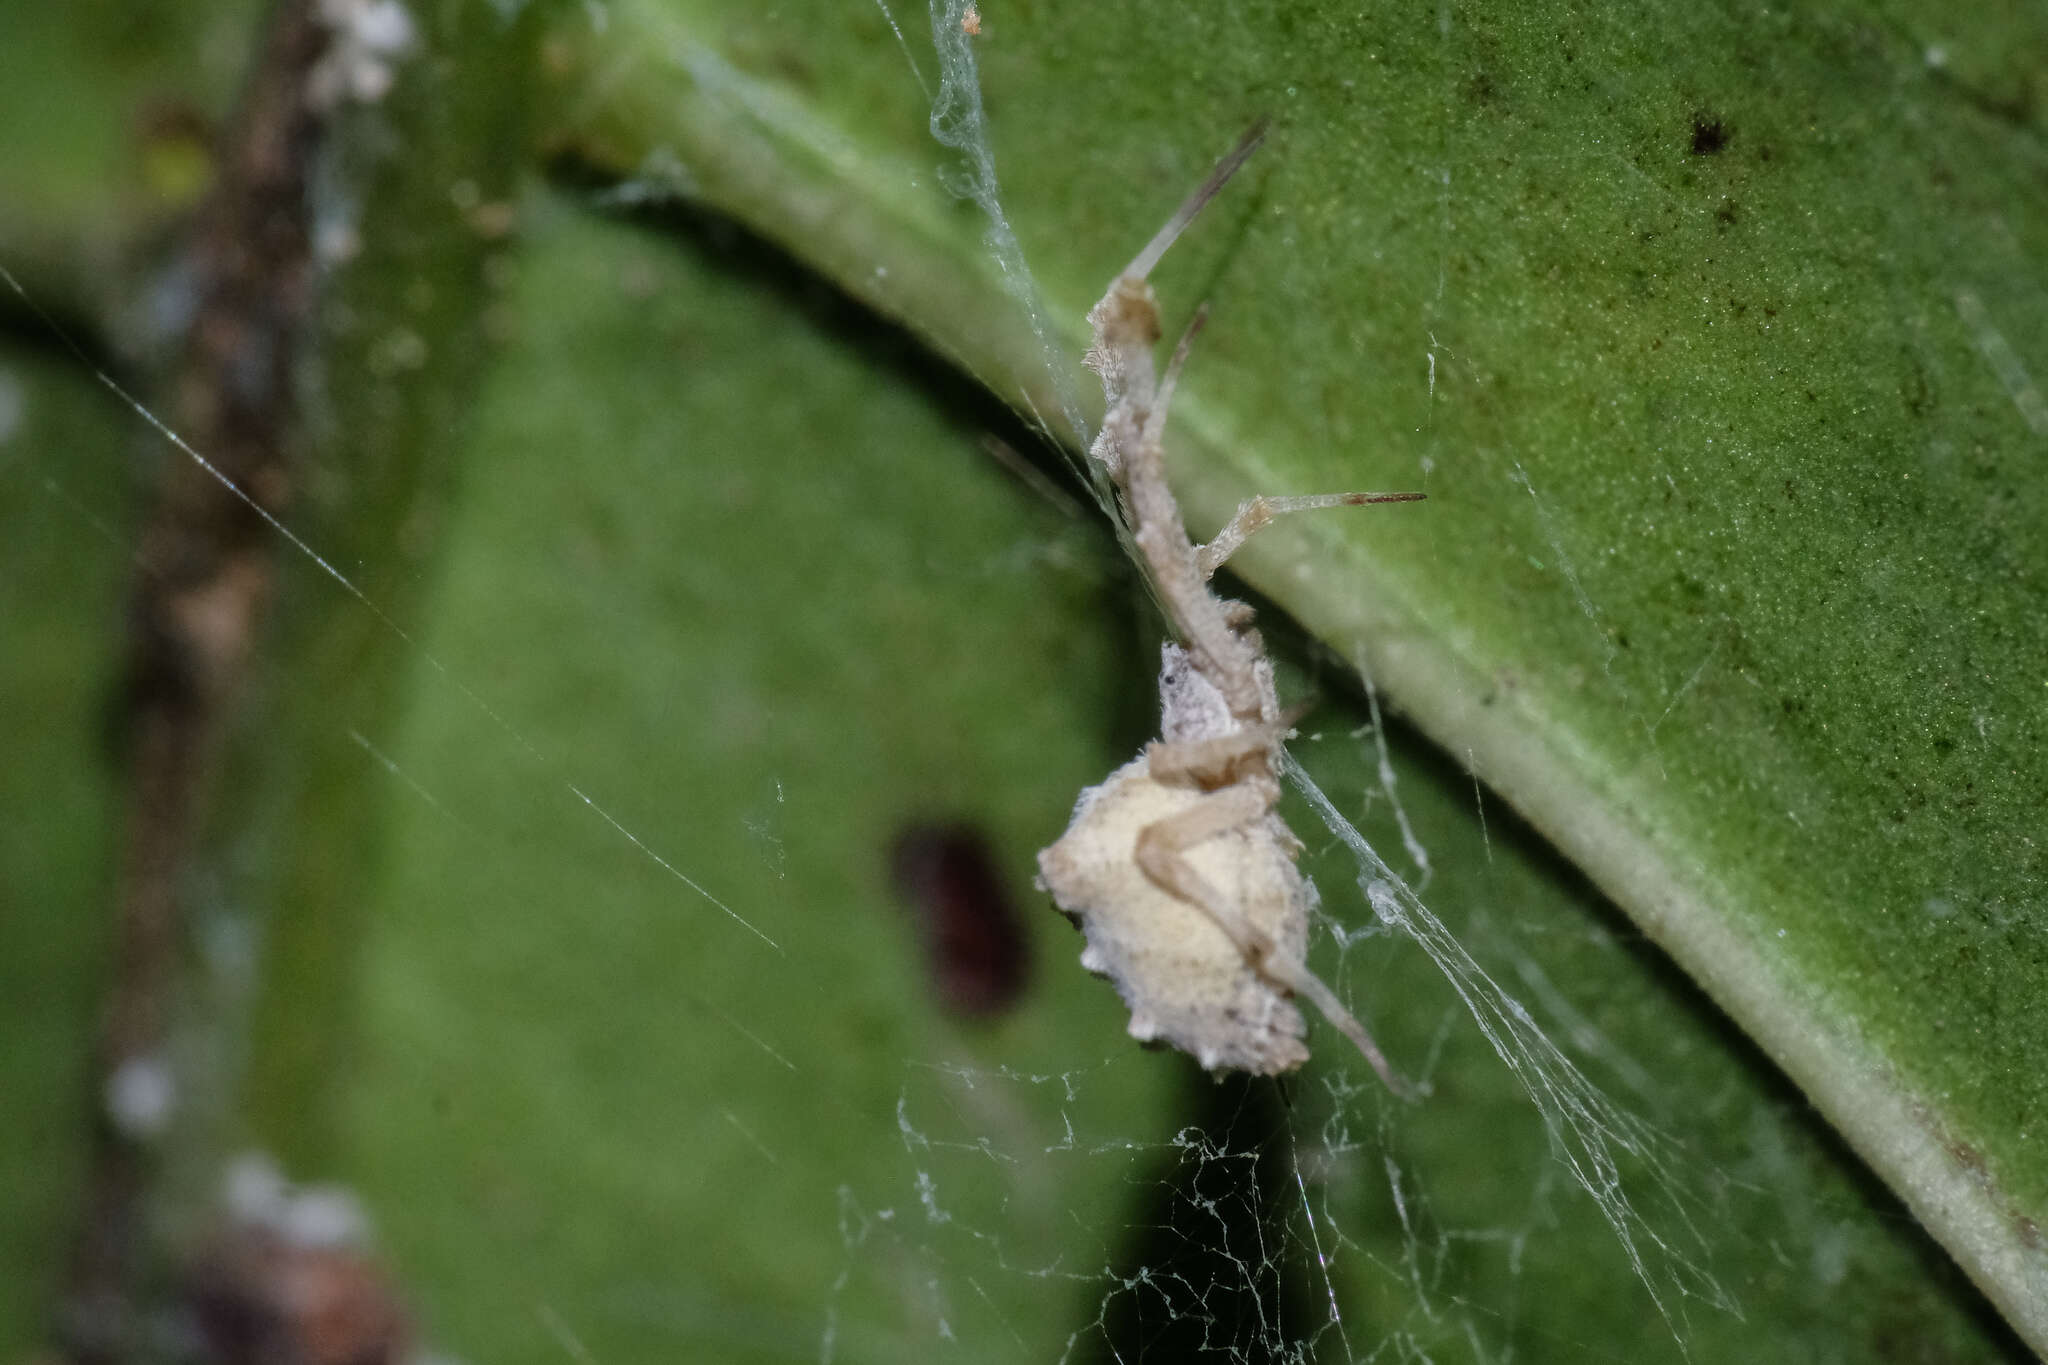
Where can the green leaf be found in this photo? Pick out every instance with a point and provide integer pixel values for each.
(689, 592)
(1710, 335)
(732, 597)
(62, 498)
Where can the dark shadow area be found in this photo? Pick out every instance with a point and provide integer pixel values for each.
(1212, 1270)
(61, 334)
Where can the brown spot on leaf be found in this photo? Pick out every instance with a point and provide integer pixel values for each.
(975, 947)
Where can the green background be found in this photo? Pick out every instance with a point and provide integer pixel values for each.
(1708, 333)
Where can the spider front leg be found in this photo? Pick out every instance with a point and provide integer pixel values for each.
(1296, 977)
(1161, 855)
(1219, 759)
(1256, 514)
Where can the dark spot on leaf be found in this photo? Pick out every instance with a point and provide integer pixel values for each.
(1916, 388)
(1727, 213)
(1967, 1157)
(974, 942)
(2014, 105)
(1709, 135)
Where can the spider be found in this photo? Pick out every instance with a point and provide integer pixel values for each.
(1177, 868)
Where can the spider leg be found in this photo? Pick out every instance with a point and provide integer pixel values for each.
(1162, 398)
(1161, 856)
(1196, 202)
(1210, 762)
(1256, 514)
(1298, 978)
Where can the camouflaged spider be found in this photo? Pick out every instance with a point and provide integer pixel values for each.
(1178, 869)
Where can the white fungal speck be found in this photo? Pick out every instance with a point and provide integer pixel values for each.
(368, 39)
(141, 1097)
